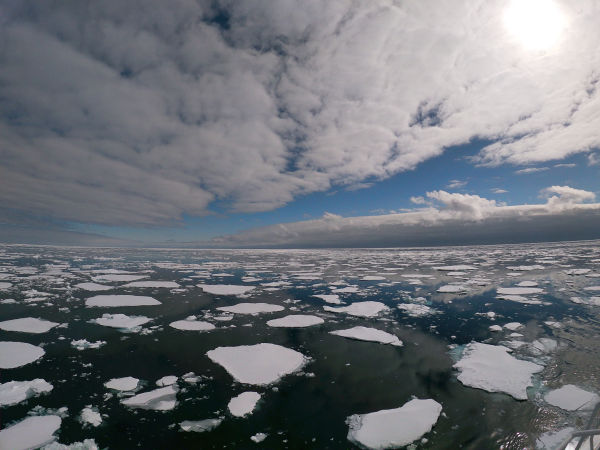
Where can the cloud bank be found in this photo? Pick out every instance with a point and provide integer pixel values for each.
(137, 113)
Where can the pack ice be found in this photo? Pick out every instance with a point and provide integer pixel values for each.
(107, 301)
(369, 334)
(361, 309)
(17, 354)
(296, 321)
(27, 325)
(225, 289)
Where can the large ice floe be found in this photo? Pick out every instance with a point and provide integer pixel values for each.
(33, 432)
(572, 398)
(393, 428)
(361, 309)
(14, 392)
(251, 308)
(109, 301)
(94, 287)
(123, 384)
(27, 325)
(369, 334)
(119, 277)
(519, 290)
(493, 369)
(225, 289)
(191, 324)
(17, 354)
(243, 404)
(259, 364)
(162, 399)
(122, 321)
(200, 426)
(152, 284)
(296, 321)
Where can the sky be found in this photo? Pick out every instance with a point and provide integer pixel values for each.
(299, 123)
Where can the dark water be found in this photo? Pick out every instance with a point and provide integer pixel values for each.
(350, 377)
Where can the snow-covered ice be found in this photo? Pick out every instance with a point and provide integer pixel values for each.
(329, 298)
(108, 301)
(392, 428)
(192, 325)
(152, 284)
(200, 426)
(93, 287)
(296, 321)
(122, 321)
(493, 369)
(27, 325)
(82, 344)
(123, 384)
(369, 334)
(572, 398)
(17, 354)
(361, 309)
(166, 380)
(161, 399)
(259, 364)
(243, 404)
(119, 278)
(14, 392)
(251, 308)
(33, 432)
(90, 416)
(519, 290)
(452, 289)
(225, 289)
(258, 437)
(4, 286)
(416, 310)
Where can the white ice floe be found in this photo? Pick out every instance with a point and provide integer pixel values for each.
(14, 392)
(373, 278)
(592, 288)
(166, 380)
(108, 301)
(259, 364)
(243, 404)
(572, 398)
(17, 354)
(123, 384)
(346, 290)
(86, 444)
(93, 287)
(5, 286)
(296, 321)
(543, 346)
(577, 271)
(225, 289)
(452, 289)
(592, 301)
(192, 325)
(252, 308)
(258, 437)
(416, 310)
(519, 290)
(200, 426)
(82, 344)
(369, 334)
(122, 321)
(152, 284)
(495, 328)
(493, 369)
(27, 325)
(361, 309)
(512, 326)
(33, 432)
(551, 440)
(527, 284)
(392, 428)
(455, 268)
(329, 298)
(519, 299)
(90, 416)
(162, 399)
(119, 278)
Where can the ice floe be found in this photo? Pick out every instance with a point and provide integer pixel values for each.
(192, 325)
(243, 404)
(200, 426)
(83, 344)
(14, 392)
(329, 298)
(119, 277)
(519, 290)
(296, 321)
(33, 432)
(452, 289)
(122, 321)
(416, 310)
(225, 289)
(5, 286)
(572, 398)
(392, 428)
(258, 437)
(458, 267)
(251, 308)
(493, 369)
(361, 309)
(108, 301)
(152, 284)
(17, 354)
(90, 416)
(166, 380)
(162, 399)
(93, 287)
(123, 384)
(27, 325)
(369, 334)
(259, 364)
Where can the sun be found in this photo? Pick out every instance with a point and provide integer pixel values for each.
(536, 24)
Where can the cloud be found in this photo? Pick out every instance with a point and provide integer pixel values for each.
(458, 219)
(593, 159)
(499, 191)
(531, 170)
(570, 165)
(456, 184)
(140, 113)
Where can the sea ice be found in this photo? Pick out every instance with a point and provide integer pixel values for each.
(416, 310)
(199, 426)
(119, 278)
(259, 364)
(392, 428)
(296, 321)
(373, 278)
(495, 328)
(5, 286)
(361, 309)
(192, 325)
(162, 399)
(592, 288)
(258, 437)
(225, 289)
(329, 298)
(519, 299)
(519, 290)
(27, 325)
(121, 321)
(243, 404)
(33, 432)
(452, 289)
(107, 301)
(82, 344)
(152, 284)
(123, 384)
(513, 326)
(166, 381)
(572, 398)
(491, 368)
(455, 268)
(93, 287)
(369, 334)
(17, 354)
(251, 308)
(527, 284)
(14, 392)
(90, 416)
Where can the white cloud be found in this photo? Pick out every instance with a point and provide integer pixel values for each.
(531, 170)
(499, 191)
(456, 184)
(593, 159)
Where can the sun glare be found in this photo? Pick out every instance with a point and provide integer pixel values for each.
(536, 24)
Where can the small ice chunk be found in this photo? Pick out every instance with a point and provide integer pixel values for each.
(83, 344)
(491, 368)
(119, 278)
(592, 288)
(161, 399)
(519, 290)
(527, 284)
(243, 404)
(192, 325)
(455, 268)
(416, 310)
(107, 301)
(572, 398)
(392, 428)
(495, 328)
(91, 416)
(519, 299)
(329, 298)
(86, 444)
(369, 334)
(296, 321)
(14, 392)
(93, 287)
(121, 321)
(452, 289)
(166, 381)
(373, 278)
(199, 426)
(225, 289)
(258, 437)
(123, 384)
(361, 309)
(33, 432)
(252, 308)
(27, 325)
(152, 284)
(259, 364)
(512, 326)
(17, 354)
(543, 346)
